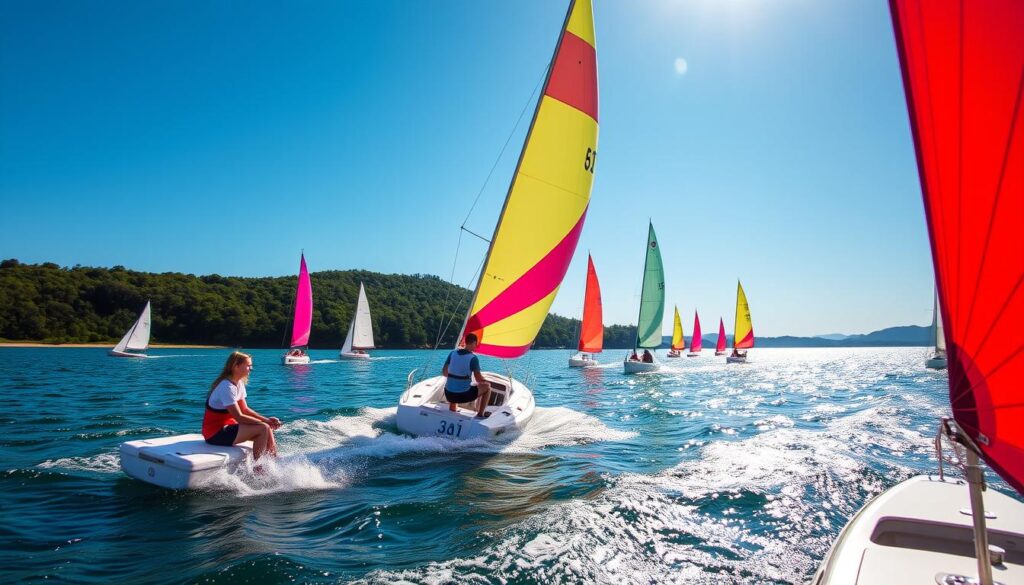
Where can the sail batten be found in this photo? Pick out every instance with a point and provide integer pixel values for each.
(546, 204)
(592, 327)
(303, 318)
(963, 74)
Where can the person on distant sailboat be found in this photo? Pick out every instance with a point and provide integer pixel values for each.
(228, 419)
(648, 358)
(460, 367)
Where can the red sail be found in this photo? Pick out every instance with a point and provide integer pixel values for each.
(963, 72)
(592, 331)
(696, 342)
(720, 346)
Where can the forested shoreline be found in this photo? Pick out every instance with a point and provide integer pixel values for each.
(52, 304)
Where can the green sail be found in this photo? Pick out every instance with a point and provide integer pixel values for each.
(652, 297)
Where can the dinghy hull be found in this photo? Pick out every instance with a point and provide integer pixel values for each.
(126, 354)
(354, 356)
(935, 363)
(294, 360)
(423, 411)
(581, 361)
(732, 359)
(180, 462)
(634, 367)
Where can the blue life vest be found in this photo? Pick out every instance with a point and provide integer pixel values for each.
(460, 371)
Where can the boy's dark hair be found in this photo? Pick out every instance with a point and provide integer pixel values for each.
(471, 338)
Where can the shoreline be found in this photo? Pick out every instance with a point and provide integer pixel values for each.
(107, 345)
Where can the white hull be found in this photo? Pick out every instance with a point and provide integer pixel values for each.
(424, 412)
(736, 359)
(634, 367)
(126, 354)
(915, 530)
(673, 355)
(582, 361)
(354, 356)
(935, 363)
(294, 360)
(691, 354)
(180, 462)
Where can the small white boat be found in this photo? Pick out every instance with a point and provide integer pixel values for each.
(937, 360)
(423, 410)
(639, 367)
(652, 309)
(591, 326)
(920, 531)
(693, 354)
(136, 339)
(181, 461)
(582, 360)
(302, 320)
(743, 332)
(736, 359)
(673, 354)
(360, 331)
(678, 345)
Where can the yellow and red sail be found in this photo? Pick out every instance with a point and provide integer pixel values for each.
(678, 339)
(592, 327)
(743, 334)
(547, 200)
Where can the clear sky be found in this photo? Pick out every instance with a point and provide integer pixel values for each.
(768, 141)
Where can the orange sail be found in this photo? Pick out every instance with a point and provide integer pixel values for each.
(547, 200)
(592, 330)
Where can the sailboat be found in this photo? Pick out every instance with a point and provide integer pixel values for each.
(360, 331)
(937, 361)
(678, 340)
(652, 310)
(743, 332)
(302, 321)
(592, 327)
(962, 67)
(527, 258)
(696, 343)
(720, 346)
(136, 339)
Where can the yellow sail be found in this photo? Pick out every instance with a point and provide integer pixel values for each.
(678, 342)
(743, 335)
(547, 200)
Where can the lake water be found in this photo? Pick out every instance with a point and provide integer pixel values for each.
(705, 473)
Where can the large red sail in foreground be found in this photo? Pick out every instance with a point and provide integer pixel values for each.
(963, 71)
(592, 330)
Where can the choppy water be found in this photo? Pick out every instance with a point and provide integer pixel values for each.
(705, 473)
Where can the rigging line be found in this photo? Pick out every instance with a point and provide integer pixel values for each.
(988, 333)
(471, 232)
(502, 152)
(998, 196)
(986, 375)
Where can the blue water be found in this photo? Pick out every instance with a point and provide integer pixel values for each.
(706, 473)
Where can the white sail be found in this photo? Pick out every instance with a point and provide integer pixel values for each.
(347, 346)
(362, 336)
(940, 335)
(137, 337)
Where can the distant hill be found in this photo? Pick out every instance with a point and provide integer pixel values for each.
(904, 336)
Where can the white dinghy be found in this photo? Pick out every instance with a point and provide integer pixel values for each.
(180, 462)
(527, 259)
(937, 360)
(652, 310)
(582, 360)
(136, 339)
(927, 530)
(360, 331)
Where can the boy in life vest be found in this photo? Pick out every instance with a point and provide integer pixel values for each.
(460, 368)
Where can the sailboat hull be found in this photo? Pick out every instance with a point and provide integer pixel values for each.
(717, 353)
(635, 367)
(692, 354)
(126, 354)
(935, 363)
(732, 359)
(673, 354)
(294, 360)
(582, 360)
(424, 412)
(915, 530)
(354, 356)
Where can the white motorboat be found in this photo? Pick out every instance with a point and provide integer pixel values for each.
(302, 319)
(527, 259)
(136, 339)
(360, 331)
(423, 410)
(181, 461)
(582, 360)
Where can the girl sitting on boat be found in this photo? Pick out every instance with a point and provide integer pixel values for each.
(228, 419)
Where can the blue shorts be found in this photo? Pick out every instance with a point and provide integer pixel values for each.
(462, 397)
(224, 437)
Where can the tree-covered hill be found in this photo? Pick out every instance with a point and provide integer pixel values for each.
(44, 302)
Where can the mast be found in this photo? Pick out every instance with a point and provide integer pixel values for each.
(643, 283)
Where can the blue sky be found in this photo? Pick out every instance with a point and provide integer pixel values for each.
(768, 141)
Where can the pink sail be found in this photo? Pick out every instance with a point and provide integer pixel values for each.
(720, 346)
(696, 343)
(303, 308)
